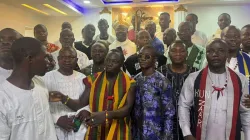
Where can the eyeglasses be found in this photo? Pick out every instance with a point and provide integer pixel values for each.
(144, 56)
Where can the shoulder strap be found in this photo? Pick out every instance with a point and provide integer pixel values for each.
(194, 109)
(192, 56)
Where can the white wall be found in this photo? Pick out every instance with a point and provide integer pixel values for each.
(91, 16)
(17, 18)
(208, 16)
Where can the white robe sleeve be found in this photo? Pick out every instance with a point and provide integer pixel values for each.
(245, 112)
(5, 123)
(5, 130)
(185, 102)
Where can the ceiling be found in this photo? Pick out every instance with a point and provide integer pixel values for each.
(66, 5)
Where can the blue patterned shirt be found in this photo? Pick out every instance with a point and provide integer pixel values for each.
(158, 45)
(152, 117)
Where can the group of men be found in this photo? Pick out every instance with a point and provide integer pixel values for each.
(161, 86)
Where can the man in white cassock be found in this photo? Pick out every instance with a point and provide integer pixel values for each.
(24, 105)
(67, 40)
(7, 37)
(68, 82)
(122, 41)
(214, 97)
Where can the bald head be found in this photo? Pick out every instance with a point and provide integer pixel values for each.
(66, 25)
(151, 28)
(169, 36)
(67, 38)
(224, 20)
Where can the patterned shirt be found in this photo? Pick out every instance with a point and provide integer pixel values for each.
(153, 109)
(158, 45)
(52, 48)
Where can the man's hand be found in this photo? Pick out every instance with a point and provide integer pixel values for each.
(189, 137)
(96, 119)
(65, 123)
(82, 115)
(246, 102)
(56, 96)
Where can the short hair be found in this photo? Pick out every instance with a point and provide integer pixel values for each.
(25, 47)
(246, 26)
(193, 16)
(149, 46)
(102, 20)
(86, 26)
(63, 49)
(225, 14)
(121, 25)
(103, 42)
(178, 42)
(188, 23)
(120, 53)
(66, 30)
(13, 30)
(143, 30)
(64, 23)
(171, 30)
(18, 35)
(150, 23)
(227, 28)
(217, 40)
(165, 14)
(40, 25)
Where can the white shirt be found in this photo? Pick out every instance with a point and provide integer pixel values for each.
(4, 74)
(217, 119)
(82, 62)
(199, 38)
(159, 35)
(71, 86)
(58, 43)
(218, 111)
(25, 114)
(110, 39)
(128, 47)
(233, 64)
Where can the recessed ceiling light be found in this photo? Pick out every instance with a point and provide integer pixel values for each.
(35, 9)
(86, 2)
(55, 9)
